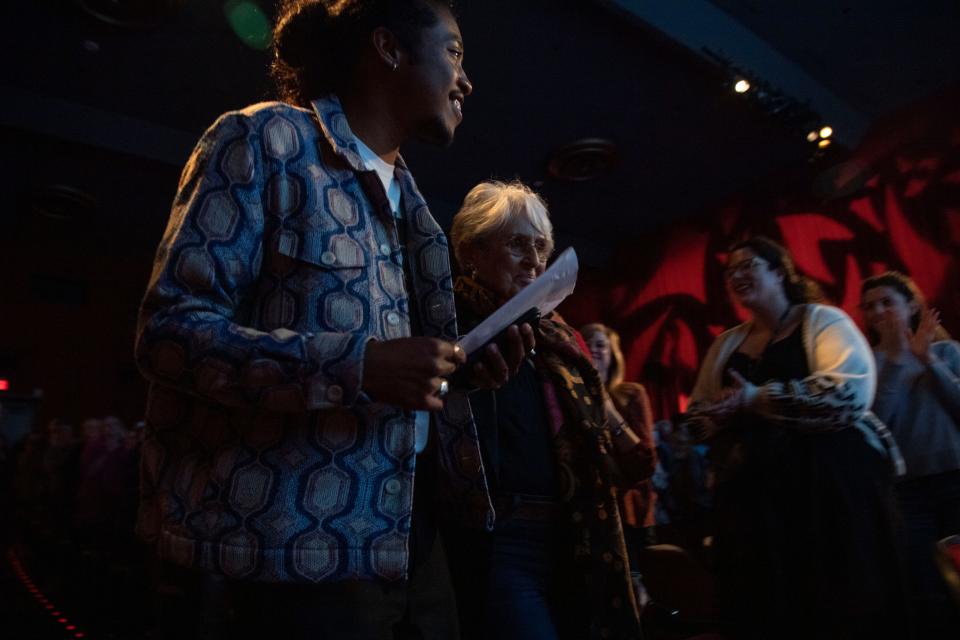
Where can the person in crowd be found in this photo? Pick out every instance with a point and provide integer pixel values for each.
(804, 526)
(29, 485)
(299, 329)
(638, 503)
(661, 480)
(61, 467)
(91, 434)
(683, 485)
(918, 398)
(93, 511)
(554, 450)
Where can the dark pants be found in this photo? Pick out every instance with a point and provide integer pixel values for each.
(211, 607)
(516, 583)
(931, 510)
(522, 583)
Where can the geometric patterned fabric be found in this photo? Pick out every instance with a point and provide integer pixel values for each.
(263, 459)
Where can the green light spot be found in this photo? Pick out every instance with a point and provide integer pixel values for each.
(249, 23)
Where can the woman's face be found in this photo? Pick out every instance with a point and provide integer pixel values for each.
(885, 308)
(509, 260)
(751, 280)
(599, 346)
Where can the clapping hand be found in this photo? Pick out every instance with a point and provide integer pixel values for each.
(921, 339)
(732, 399)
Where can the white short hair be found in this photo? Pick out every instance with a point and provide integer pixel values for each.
(488, 208)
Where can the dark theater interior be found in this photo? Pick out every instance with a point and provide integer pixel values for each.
(743, 422)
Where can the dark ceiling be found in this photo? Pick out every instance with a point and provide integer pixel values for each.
(98, 120)
(113, 112)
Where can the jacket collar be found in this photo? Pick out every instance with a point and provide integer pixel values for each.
(337, 131)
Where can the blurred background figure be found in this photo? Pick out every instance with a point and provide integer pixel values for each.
(638, 503)
(805, 540)
(918, 397)
(60, 467)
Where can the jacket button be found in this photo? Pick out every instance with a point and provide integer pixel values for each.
(393, 486)
(393, 318)
(385, 249)
(334, 393)
(328, 257)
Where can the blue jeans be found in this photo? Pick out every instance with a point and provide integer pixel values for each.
(526, 594)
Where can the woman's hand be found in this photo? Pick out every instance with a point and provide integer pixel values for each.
(921, 340)
(497, 365)
(732, 399)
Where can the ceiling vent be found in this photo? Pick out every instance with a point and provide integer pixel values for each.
(62, 203)
(583, 160)
(130, 14)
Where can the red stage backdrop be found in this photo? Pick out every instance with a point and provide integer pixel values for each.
(895, 204)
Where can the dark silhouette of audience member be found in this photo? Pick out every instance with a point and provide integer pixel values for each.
(918, 398)
(637, 503)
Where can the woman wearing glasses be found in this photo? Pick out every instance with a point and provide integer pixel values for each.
(804, 535)
(554, 448)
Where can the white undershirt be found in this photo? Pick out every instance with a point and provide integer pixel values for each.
(385, 171)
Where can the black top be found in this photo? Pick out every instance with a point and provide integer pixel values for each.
(783, 360)
(524, 459)
(802, 520)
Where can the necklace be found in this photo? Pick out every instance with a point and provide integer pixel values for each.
(776, 329)
(754, 365)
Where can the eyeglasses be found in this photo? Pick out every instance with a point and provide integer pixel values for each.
(744, 266)
(521, 246)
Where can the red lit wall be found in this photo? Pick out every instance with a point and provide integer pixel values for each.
(893, 204)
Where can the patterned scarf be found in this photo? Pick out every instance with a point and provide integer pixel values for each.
(574, 394)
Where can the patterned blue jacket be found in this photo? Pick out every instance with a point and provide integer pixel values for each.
(263, 459)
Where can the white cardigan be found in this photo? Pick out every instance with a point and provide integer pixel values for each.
(836, 395)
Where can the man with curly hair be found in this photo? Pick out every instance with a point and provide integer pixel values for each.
(299, 331)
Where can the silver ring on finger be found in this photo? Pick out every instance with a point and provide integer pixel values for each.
(444, 388)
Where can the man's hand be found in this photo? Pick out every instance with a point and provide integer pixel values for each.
(408, 372)
(497, 365)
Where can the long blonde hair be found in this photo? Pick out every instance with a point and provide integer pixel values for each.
(616, 369)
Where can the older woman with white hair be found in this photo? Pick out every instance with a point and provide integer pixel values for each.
(554, 448)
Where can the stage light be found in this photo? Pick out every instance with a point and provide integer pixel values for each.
(249, 22)
(826, 132)
(823, 144)
(812, 136)
(795, 116)
(4, 385)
